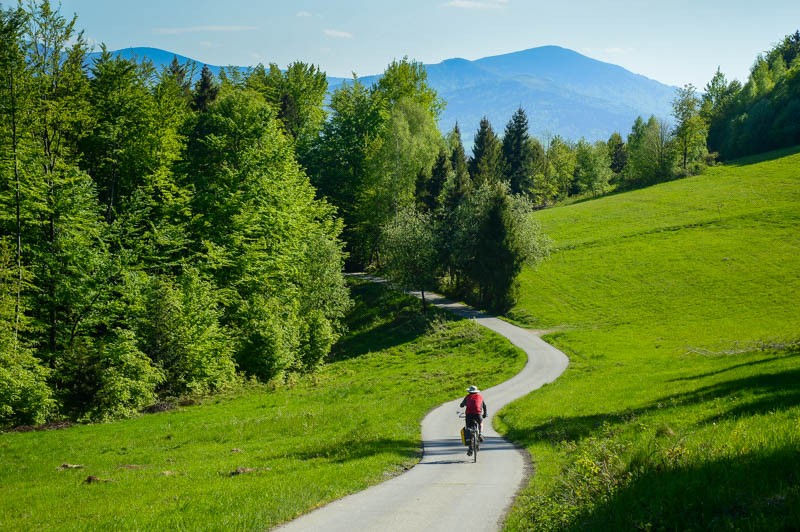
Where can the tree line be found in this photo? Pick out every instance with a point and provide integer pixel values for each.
(158, 237)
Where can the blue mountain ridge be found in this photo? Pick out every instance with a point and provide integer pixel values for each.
(563, 92)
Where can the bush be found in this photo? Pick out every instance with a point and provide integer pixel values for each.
(127, 380)
(25, 398)
(180, 331)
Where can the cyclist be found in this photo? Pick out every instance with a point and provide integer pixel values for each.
(475, 407)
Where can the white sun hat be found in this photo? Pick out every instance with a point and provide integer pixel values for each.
(473, 389)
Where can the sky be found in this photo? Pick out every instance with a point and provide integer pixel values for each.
(672, 41)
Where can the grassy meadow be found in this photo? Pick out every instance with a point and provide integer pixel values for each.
(679, 307)
(261, 456)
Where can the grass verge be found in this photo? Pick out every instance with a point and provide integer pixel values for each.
(677, 306)
(261, 456)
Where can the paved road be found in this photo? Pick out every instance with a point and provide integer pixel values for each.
(446, 491)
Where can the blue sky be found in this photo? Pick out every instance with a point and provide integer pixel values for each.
(675, 41)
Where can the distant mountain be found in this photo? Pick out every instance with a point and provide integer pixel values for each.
(159, 58)
(563, 92)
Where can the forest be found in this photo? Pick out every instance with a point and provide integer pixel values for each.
(159, 239)
(171, 234)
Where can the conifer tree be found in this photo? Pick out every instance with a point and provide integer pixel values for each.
(617, 152)
(495, 236)
(517, 154)
(461, 182)
(486, 164)
(205, 90)
(429, 189)
(181, 76)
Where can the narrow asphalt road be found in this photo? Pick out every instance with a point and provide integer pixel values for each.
(446, 491)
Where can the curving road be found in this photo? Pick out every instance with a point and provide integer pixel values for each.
(446, 491)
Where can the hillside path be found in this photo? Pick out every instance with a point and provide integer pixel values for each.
(446, 491)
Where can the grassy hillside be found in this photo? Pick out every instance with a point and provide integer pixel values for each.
(678, 307)
(250, 461)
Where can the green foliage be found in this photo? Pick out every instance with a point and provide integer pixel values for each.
(378, 143)
(122, 146)
(556, 181)
(297, 95)
(152, 235)
(341, 159)
(408, 80)
(592, 168)
(25, 397)
(651, 153)
(179, 327)
(764, 113)
(495, 235)
(120, 378)
(411, 250)
(263, 231)
(407, 152)
(690, 130)
(486, 164)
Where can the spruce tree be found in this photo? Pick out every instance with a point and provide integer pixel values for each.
(486, 164)
(205, 90)
(461, 183)
(617, 152)
(429, 188)
(517, 154)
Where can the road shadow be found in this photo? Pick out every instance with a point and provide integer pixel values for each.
(450, 446)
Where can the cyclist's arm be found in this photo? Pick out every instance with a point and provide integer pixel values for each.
(463, 402)
(484, 409)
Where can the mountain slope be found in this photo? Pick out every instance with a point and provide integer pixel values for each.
(677, 305)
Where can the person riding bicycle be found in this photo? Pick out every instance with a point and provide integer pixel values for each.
(475, 407)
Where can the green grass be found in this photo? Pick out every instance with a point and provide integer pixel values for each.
(678, 307)
(353, 424)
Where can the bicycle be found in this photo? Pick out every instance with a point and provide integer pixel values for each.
(472, 437)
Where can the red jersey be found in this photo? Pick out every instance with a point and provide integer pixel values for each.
(474, 403)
